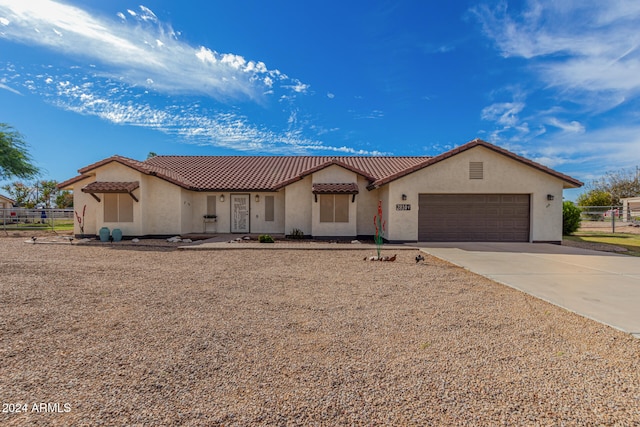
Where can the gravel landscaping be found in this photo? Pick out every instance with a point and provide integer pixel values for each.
(151, 335)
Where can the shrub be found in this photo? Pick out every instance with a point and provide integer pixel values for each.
(570, 218)
(265, 238)
(296, 233)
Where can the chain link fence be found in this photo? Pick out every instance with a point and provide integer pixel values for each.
(36, 219)
(610, 219)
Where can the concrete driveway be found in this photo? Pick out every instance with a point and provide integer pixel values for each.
(602, 286)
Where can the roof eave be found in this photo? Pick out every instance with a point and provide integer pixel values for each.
(68, 184)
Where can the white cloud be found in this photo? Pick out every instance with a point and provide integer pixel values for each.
(147, 14)
(584, 57)
(121, 104)
(122, 49)
(584, 47)
(573, 126)
(298, 87)
(206, 55)
(4, 21)
(371, 115)
(504, 113)
(10, 89)
(330, 95)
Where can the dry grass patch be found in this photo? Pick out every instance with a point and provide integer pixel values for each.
(166, 337)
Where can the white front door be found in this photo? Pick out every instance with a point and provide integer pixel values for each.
(239, 213)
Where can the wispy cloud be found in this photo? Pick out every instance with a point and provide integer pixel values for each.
(579, 46)
(584, 58)
(134, 55)
(503, 113)
(369, 115)
(613, 148)
(118, 103)
(573, 126)
(10, 89)
(138, 48)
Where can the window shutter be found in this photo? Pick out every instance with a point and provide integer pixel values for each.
(269, 214)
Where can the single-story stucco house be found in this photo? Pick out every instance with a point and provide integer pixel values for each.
(631, 208)
(5, 202)
(475, 192)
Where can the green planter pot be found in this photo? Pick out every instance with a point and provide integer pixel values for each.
(104, 234)
(116, 234)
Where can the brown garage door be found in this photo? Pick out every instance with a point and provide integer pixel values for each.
(473, 218)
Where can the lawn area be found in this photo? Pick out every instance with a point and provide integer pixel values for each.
(626, 240)
(59, 225)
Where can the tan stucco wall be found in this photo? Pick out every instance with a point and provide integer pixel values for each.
(94, 215)
(159, 201)
(199, 209)
(116, 172)
(298, 203)
(186, 211)
(630, 208)
(334, 174)
(223, 210)
(80, 200)
(5, 203)
(501, 175)
(367, 207)
(258, 224)
(194, 207)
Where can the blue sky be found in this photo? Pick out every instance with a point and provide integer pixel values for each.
(555, 81)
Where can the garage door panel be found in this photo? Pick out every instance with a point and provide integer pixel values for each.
(474, 217)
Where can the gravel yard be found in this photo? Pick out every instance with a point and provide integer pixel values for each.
(114, 335)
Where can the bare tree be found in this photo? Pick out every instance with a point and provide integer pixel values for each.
(617, 184)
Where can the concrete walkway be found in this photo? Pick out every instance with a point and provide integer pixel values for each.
(229, 242)
(602, 286)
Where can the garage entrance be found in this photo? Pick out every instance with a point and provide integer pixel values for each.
(473, 218)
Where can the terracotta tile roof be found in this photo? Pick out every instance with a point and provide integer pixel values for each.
(268, 173)
(110, 187)
(68, 184)
(335, 188)
(271, 173)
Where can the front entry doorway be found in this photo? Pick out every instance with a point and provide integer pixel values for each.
(240, 213)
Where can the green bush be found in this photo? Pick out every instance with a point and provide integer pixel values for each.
(570, 218)
(265, 238)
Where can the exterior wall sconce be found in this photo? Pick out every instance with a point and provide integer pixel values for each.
(257, 198)
(550, 197)
(222, 198)
(404, 197)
